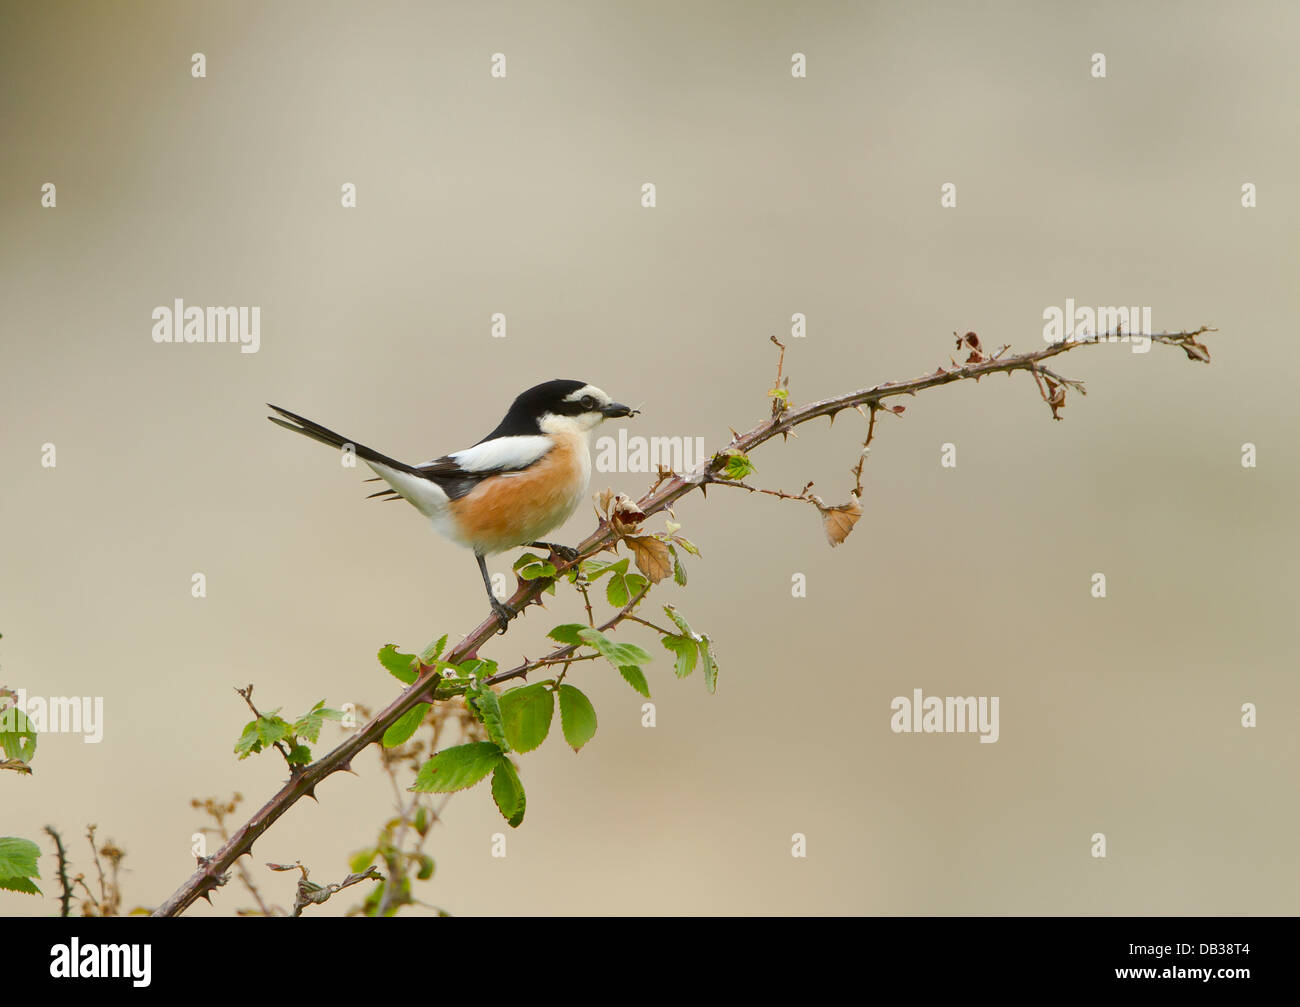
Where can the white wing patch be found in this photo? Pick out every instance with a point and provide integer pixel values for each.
(503, 453)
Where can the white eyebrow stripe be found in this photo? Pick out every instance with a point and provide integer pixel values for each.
(515, 452)
(591, 390)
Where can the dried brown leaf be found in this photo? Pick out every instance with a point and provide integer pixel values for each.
(652, 556)
(839, 520)
(624, 515)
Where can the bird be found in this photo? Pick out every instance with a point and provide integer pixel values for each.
(513, 487)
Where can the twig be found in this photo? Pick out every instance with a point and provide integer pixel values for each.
(64, 884)
(662, 496)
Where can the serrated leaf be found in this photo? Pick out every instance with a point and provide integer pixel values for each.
(623, 587)
(635, 677)
(24, 885)
(454, 769)
(577, 716)
(652, 556)
(17, 739)
(18, 858)
(710, 664)
(568, 633)
(597, 568)
(679, 571)
(248, 742)
(678, 621)
(483, 700)
(526, 713)
(687, 544)
(535, 570)
(258, 734)
(508, 792)
(738, 466)
(685, 650)
(299, 755)
(616, 654)
(403, 667)
(309, 724)
(527, 559)
(432, 652)
(405, 726)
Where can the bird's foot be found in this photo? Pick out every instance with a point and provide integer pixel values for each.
(503, 612)
(564, 552)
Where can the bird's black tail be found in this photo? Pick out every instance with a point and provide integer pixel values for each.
(308, 428)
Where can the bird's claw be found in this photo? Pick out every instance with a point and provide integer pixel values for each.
(566, 553)
(503, 612)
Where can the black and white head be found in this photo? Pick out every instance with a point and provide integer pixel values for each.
(560, 406)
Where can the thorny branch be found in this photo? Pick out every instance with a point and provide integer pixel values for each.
(666, 491)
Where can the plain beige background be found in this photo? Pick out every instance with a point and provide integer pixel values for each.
(775, 196)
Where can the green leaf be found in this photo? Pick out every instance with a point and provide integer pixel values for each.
(309, 724)
(299, 755)
(24, 885)
(738, 466)
(258, 734)
(597, 568)
(432, 652)
(17, 739)
(454, 769)
(482, 699)
(686, 650)
(508, 792)
(687, 544)
(623, 587)
(705, 645)
(678, 621)
(426, 867)
(568, 633)
(476, 667)
(272, 728)
(405, 726)
(18, 858)
(361, 860)
(404, 667)
(679, 571)
(617, 654)
(636, 678)
(530, 567)
(577, 716)
(710, 664)
(535, 570)
(248, 742)
(526, 714)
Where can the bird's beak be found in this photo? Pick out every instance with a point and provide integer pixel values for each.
(618, 409)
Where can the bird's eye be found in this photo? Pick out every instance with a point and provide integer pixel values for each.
(587, 402)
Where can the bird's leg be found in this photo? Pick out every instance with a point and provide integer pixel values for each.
(563, 551)
(503, 611)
